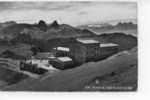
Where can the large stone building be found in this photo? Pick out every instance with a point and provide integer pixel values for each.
(81, 51)
(86, 49)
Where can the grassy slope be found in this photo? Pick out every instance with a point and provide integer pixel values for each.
(8, 76)
(126, 78)
(76, 79)
(19, 49)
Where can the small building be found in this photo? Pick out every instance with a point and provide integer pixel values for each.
(108, 49)
(38, 64)
(61, 51)
(62, 62)
(41, 63)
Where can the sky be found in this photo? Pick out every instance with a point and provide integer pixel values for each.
(73, 13)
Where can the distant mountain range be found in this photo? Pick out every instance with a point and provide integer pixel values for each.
(106, 26)
(47, 36)
(127, 27)
(43, 31)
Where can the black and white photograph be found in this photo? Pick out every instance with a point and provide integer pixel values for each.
(73, 46)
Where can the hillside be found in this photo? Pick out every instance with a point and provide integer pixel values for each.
(125, 42)
(115, 70)
(18, 51)
(77, 79)
(21, 45)
(6, 24)
(42, 31)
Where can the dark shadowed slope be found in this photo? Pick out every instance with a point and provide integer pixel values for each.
(43, 31)
(125, 42)
(76, 79)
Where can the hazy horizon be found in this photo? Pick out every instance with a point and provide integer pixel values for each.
(73, 13)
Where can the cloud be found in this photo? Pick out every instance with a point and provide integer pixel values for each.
(82, 13)
(73, 13)
(5, 6)
(41, 5)
(58, 5)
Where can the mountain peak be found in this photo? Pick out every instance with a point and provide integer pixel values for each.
(55, 24)
(42, 22)
(42, 25)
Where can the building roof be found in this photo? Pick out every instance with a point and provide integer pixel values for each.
(108, 45)
(62, 48)
(87, 41)
(64, 59)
